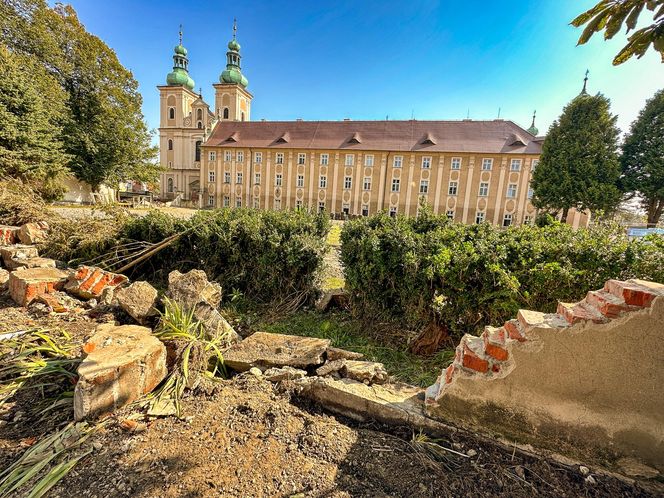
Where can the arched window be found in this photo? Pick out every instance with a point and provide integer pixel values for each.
(199, 114)
(170, 185)
(171, 113)
(225, 112)
(170, 144)
(242, 116)
(200, 125)
(198, 151)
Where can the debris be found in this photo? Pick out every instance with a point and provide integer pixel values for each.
(364, 371)
(17, 263)
(138, 300)
(52, 302)
(88, 282)
(590, 480)
(266, 350)
(341, 354)
(333, 297)
(256, 372)
(330, 367)
(12, 254)
(125, 363)
(28, 283)
(130, 425)
(8, 235)
(584, 470)
(4, 279)
(33, 233)
(471, 453)
(284, 373)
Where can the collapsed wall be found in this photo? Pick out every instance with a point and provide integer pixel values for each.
(586, 381)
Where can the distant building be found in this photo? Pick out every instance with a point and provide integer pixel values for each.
(471, 171)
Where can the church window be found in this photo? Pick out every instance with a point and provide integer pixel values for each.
(258, 157)
(199, 125)
(213, 156)
(242, 116)
(225, 112)
(227, 201)
(300, 181)
(280, 158)
(426, 162)
(348, 182)
(398, 161)
(197, 155)
(396, 184)
(487, 164)
(456, 163)
(367, 183)
(350, 159)
(238, 202)
(324, 159)
(240, 156)
(211, 200)
(170, 164)
(170, 185)
(227, 177)
(322, 182)
(171, 113)
(368, 160)
(170, 144)
(453, 187)
(301, 158)
(257, 178)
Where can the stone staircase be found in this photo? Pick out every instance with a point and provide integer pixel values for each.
(489, 354)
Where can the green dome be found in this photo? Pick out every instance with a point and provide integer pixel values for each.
(533, 130)
(180, 77)
(234, 45)
(180, 50)
(233, 75)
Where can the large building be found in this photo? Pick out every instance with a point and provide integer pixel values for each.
(472, 171)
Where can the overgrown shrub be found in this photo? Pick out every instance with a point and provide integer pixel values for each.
(468, 276)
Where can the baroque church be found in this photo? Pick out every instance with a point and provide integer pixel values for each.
(472, 171)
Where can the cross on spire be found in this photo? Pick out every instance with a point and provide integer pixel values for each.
(534, 114)
(234, 27)
(585, 82)
(180, 34)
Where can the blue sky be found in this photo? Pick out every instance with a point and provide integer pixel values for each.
(371, 59)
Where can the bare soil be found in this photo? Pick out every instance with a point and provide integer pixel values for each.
(245, 437)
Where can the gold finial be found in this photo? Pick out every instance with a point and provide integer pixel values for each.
(234, 27)
(180, 34)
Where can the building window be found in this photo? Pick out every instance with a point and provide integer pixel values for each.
(450, 214)
(280, 158)
(456, 163)
(424, 186)
(227, 201)
(365, 210)
(324, 159)
(210, 200)
(530, 192)
(368, 160)
(211, 176)
(300, 181)
(257, 178)
(170, 144)
(199, 125)
(452, 189)
(257, 203)
(240, 156)
(258, 157)
(227, 177)
(322, 181)
(487, 164)
(197, 155)
(367, 183)
(426, 162)
(226, 113)
(301, 158)
(345, 209)
(171, 113)
(238, 178)
(213, 156)
(170, 164)
(227, 155)
(242, 116)
(484, 189)
(350, 159)
(238, 202)
(169, 184)
(277, 204)
(527, 220)
(278, 181)
(348, 182)
(397, 162)
(511, 190)
(507, 220)
(298, 204)
(479, 217)
(393, 212)
(534, 164)
(515, 165)
(321, 206)
(395, 184)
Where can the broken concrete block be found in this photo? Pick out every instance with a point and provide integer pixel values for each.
(192, 288)
(16, 263)
(33, 233)
(26, 284)
(266, 350)
(214, 324)
(342, 354)
(138, 300)
(123, 363)
(88, 282)
(284, 373)
(368, 372)
(10, 254)
(52, 302)
(330, 367)
(8, 235)
(4, 279)
(332, 297)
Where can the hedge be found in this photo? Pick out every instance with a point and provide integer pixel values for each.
(468, 276)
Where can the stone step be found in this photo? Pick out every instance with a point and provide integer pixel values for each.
(580, 312)
(633, 292)
(607, 304)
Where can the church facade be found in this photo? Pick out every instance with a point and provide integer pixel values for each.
(471, 171)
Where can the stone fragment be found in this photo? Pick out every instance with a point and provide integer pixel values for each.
(364, 371)
(4, 279)
(28, 283)
(138, 300)
(342, 354)
(8, 235)
(330, 367)
(16, 263)
(10, 254)
(33, 233)
(52, 302)
(284, 373)
(332, 297)
(256, 372)
(631, 467)
(265, 350)
(192, 288)
(214, 324)
(123, 363)
(88, 282)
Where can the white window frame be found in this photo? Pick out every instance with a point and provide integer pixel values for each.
(527, 220)
(257, 203)
(322, 181)
(227, 201)
(426, 162)
(298, 204)
(227, 177)
(212, 155)
(348, 182)
(257, 178)
(424, 186)
(397, 162)
(366, 185)
(394, 210)
(301, 158)
(369, 160)
(480, 217)
(484, 189)
(530, 193)
(238, 201)
(453, 188)
(512, 189)
(238, 178)
(258, 157)
(450, 214)
(349, 160)
(279, 158)
(210, 200)
(534, 164)
(240, 156)
(277, 204)
(321, 206)
(365, 209)
(211, 176)
(515, 165)
(278, 180)
(300, 181)
(345, 208)
(487, 164)
(455, 164)
(227, 155)
(396, 185)
(507, 217)
(324, 159)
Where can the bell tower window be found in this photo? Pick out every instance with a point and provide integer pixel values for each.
(171, 113)
(200, 125)
(199, 114)
(226, 112)
(170, 144)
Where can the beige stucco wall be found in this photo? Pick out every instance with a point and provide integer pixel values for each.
(590, 390)
(81, 192)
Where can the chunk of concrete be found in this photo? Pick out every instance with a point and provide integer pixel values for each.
(342, 354)
(284, 373)
(368, 372)
(192, 288)
(88, 282)
(16, 263)
(123, 363)
(8, 235)
(10, 254)
(330, 368)
(33, 233)
(138, 300)
(28, 283)
(4, 279)
(265, 350)
(214, 324)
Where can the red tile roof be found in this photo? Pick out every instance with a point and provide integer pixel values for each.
(490, 137)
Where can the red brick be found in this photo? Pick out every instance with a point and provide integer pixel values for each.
(632, 293)
(89, 282)
(607, 304)
(26, 284)
(576, 312)
(8, 235)
(514, 331)
(496, 352)
(449, 373)
(472, 361)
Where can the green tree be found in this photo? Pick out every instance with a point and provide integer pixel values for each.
(104, 131)
(579, 167)
(610, 15)
(643, 158)
(31, 110)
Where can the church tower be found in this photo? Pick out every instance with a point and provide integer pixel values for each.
(232, 101)
(184, 117)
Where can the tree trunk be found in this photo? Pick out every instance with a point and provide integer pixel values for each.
(563, 217)
(430, 340)
(655, 208)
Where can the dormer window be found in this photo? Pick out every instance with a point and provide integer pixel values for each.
(355, 139)
(428, 140)
(285, 138)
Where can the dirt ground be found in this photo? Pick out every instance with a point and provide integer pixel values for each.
(245, 437)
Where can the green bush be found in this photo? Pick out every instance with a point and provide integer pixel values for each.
(468, 276)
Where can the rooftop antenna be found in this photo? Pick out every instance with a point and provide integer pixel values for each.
(585, 82)
(180, 34)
